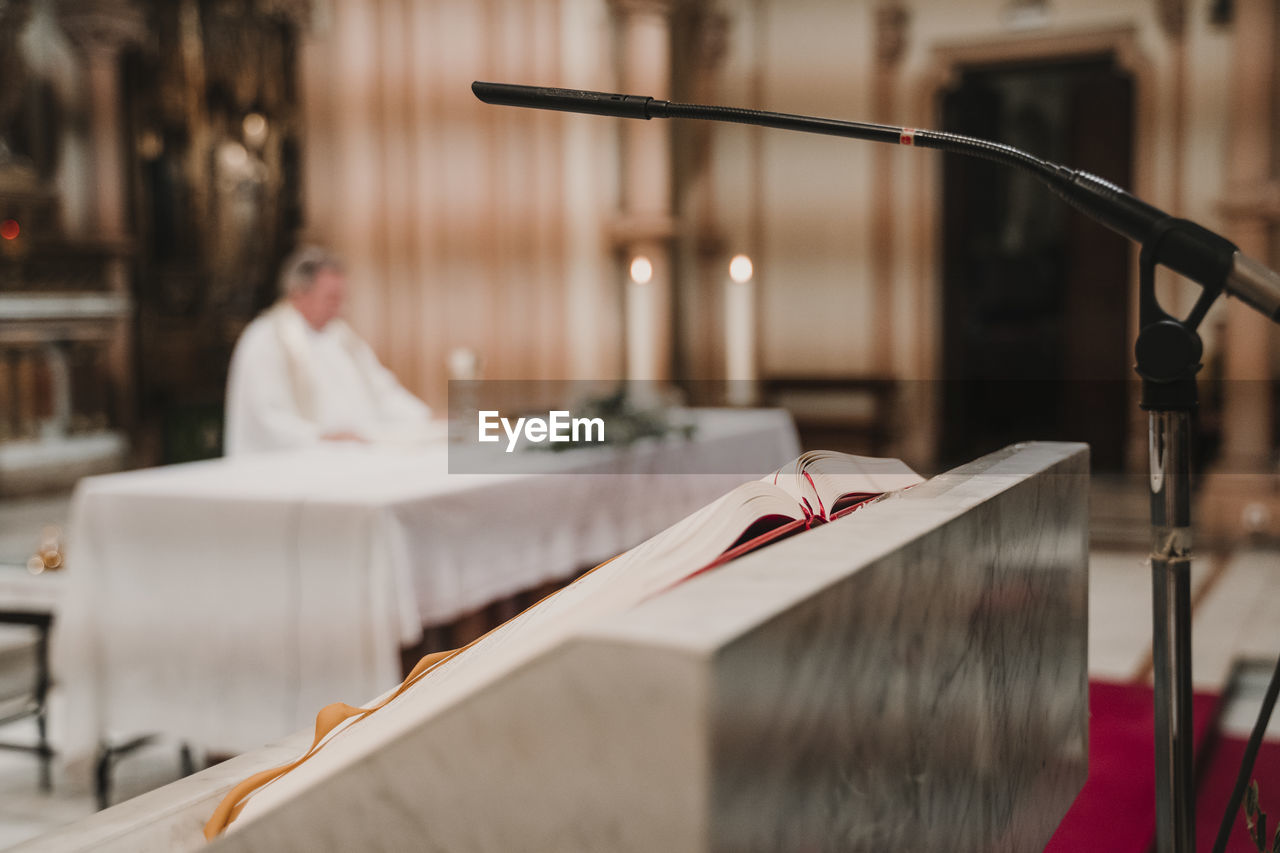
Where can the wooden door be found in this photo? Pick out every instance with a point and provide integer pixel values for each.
(1035, 295)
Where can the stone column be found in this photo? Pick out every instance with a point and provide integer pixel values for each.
(705, 238)
(101, 29)
(645, 226)
(1172, 16)
(891, 20)
(1240, 495)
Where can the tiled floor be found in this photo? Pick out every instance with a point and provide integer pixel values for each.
(1120, 613)
(1237, 618)
(25, 812)
(1236, 614)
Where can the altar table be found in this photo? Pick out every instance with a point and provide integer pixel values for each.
(224, 602)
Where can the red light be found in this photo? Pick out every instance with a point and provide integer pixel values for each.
(9, 229)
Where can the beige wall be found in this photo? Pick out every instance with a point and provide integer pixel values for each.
(474, 226)
(817, 208)
(464, 225)
(814, 259)
(846, 235)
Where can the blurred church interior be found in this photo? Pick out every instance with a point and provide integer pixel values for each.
(160, 158)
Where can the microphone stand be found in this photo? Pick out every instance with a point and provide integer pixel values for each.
(1167, 352)
(1168, 357)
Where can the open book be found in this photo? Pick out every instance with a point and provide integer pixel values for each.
(816, 488)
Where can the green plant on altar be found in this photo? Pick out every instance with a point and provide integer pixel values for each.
(1255, 821)
(625, 421)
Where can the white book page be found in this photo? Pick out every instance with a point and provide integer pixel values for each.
(790, 478)
(819, 478)
(836, 474)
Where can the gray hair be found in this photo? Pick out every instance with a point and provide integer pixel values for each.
(300, 269)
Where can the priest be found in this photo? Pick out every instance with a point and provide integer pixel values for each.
(301, 376)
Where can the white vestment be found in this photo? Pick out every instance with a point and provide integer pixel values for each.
(289, 385)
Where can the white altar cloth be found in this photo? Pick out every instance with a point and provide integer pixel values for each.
(225, 602)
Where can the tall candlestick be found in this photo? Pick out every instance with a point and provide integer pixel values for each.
(740, 333)
(642, 356)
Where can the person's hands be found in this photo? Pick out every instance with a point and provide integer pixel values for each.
(345, 435)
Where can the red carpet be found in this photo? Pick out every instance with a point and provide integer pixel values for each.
(1116, 811)
(1215, 789)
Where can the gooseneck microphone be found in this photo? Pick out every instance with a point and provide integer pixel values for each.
(1189, 249)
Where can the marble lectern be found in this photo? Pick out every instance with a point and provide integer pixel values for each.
(912, 677)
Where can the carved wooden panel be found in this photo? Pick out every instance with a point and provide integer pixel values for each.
(212, 121)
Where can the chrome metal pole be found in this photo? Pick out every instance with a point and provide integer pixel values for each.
(1170, 443)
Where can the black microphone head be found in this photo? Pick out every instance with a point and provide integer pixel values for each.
(501, 94)
(566, 100)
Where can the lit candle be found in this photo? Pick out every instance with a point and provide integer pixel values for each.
(740, 333)
(641, 351)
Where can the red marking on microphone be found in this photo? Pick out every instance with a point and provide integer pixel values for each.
(908, 136)
(10, 229)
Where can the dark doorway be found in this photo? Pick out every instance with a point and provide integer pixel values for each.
(1035, 295)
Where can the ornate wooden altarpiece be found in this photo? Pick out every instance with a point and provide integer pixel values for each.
(64, 304)
(212, 115)
(148, 190)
